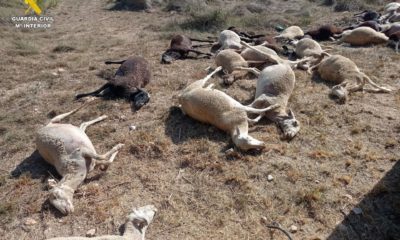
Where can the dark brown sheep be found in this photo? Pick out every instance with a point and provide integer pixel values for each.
(324, 33)
(133, 75)
(395, 37)
(180, 47)
(392, 29)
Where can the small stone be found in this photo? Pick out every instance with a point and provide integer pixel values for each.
(270, 178)
(61, 70)
(122, 117)
(91, 233)
(54, 74)
(293, 229)
(30, 221)
(132, 127)
(357, 211)
(60, 221)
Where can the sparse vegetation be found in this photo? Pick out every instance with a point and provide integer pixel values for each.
(344, 157)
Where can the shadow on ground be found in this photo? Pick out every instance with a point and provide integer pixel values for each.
(181, 128)
(380, 217)
(34, 166)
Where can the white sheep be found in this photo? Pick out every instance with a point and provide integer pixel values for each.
(252, 56)
(71, 152)
(233, 63)
(291, 33)
(363, 36)
(215, 107)
(227, 40)
(308, 47)
(272, 58)
(134, 228)
(274, 86)
(343, 72)
(390, 10)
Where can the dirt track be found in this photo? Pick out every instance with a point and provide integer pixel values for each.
(178, 164)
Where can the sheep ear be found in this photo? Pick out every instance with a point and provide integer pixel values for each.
(291, 114)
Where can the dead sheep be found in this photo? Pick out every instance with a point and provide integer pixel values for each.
(363, 36)
(291, 33)
(227, 40)
(128, 82)
(275, 85)
(233, 65)
(307, 47)
(345, 73)
(215, 107)
(180, 47)
(255, 58)
(390, 11)
(71, 152)
(324, 32)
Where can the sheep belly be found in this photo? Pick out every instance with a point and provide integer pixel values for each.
(276, 80)
(207, 106)
(336, 69)
(56, 140)
(364, 37)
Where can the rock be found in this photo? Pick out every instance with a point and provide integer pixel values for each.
(30, 221)
(91, 233)
(293, 229)
(270, 178)
(357, 211)
(132, 127)
(61, 70)
(54, 74)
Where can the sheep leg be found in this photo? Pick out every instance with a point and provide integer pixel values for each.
(397, 46)
(269, 57)
(379, 88)
(202, 45)
(60, 117)
(202, 82)
(200, 53)
(104, 158)
(201, 40)
(255, 71)
(84, 125)
(258, 111)
(242, 140)
(94, 93)
(254, 120)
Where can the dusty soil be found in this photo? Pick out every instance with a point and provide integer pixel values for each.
(344, 157)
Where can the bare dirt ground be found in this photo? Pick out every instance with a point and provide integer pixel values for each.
(344, 157)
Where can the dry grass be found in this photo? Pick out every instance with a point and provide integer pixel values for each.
(179, 164)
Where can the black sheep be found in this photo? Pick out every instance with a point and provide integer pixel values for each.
(128, 82)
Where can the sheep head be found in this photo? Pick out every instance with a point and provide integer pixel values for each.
(340, 92)
(61, 198)
(170, 56)
(142, 217)
(289, 125)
